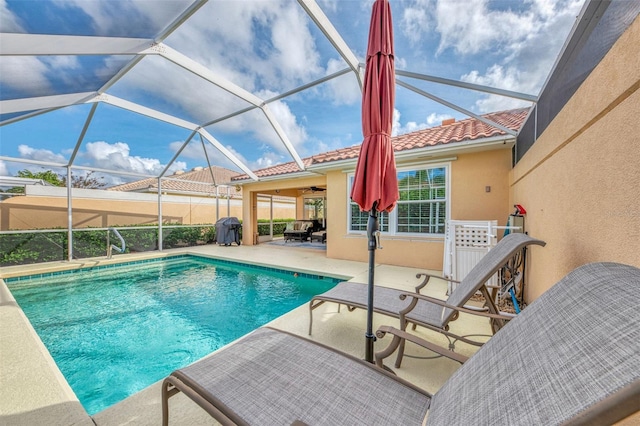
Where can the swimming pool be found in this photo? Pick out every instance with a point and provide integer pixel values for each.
(115, 330)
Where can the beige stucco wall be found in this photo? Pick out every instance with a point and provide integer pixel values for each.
(93, 208)
(580, 182)
(470, 175)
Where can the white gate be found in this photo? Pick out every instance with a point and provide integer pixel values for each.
(465, 243)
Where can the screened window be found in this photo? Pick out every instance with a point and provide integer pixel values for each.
(359, 219)
(421, 209)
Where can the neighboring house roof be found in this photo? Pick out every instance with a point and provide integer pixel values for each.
(449, 132)
(196, 181)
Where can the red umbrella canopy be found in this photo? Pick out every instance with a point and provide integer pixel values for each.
(376, 180)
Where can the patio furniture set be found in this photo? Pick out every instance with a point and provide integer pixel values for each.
(571, 357)
(306, 230)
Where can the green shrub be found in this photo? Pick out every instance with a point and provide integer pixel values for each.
(38, 247)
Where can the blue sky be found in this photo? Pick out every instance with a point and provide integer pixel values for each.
(267, 47)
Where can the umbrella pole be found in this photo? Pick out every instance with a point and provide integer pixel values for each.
(372, 229)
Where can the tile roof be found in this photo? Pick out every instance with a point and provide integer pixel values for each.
(448, 133)
(195, 181)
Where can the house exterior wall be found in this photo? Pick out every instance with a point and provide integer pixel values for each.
(580, 182)
(470, 174)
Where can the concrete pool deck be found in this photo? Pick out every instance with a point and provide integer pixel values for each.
(34, 392)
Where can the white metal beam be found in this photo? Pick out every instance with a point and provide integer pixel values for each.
(193, 8)
(121, 103)
(87, 122)
(280, 96)
(16, 44)
(213, 141)
(283, 136)
(471, 86)
(44, 102)
(327, 28)
(200, 70)
(137, 108)
(178, 152)
(456, 107)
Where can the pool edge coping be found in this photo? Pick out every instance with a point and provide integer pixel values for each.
(46, 365)
(7, 299)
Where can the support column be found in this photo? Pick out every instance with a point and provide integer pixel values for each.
(69, 217)
(160, 214)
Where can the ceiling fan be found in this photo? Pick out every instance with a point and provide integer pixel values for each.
(314, 189)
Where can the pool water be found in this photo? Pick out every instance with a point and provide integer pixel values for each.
(115, 331)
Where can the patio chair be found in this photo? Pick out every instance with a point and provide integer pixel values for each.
(571, 357)
(428, 312)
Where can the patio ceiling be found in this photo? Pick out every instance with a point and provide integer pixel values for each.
(180, 79)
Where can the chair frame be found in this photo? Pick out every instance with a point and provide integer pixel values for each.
(526, 374)
(406, 313)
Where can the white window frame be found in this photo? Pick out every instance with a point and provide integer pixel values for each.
(393, 216)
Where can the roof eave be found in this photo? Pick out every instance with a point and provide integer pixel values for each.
(484, 144)
(281, 176)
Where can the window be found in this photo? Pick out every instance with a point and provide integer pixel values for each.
(421, 209)
(359, 219)
(314, 208)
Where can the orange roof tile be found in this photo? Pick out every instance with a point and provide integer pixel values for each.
(194, 181)
(447, 133)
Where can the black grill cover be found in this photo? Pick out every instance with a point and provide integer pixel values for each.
(227, 231)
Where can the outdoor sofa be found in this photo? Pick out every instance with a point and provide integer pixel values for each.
(298, 230)
(301, 229)
(571, 357)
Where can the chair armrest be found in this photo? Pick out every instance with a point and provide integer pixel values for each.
(466, 309)
(399, 335)
(427, 277)
(476, 308)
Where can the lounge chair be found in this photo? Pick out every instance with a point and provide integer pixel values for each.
(571, 357)
(434, 314)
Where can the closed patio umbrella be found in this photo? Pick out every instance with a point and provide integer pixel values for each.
(375, 186)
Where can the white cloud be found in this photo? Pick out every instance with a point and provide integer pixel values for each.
(521, 37)
(256, 44)
(9, 22)
(29, 74)
(431, 120)
(434, 119)
(268, 159)
(25, 73)
(471, 26)
(4, 171)
(506, 78)
(30, 153)
(194, 149)
(107, 20)
(343, 90)
(330, 5)
(416, 20)
(296, 134)
(117, 156)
